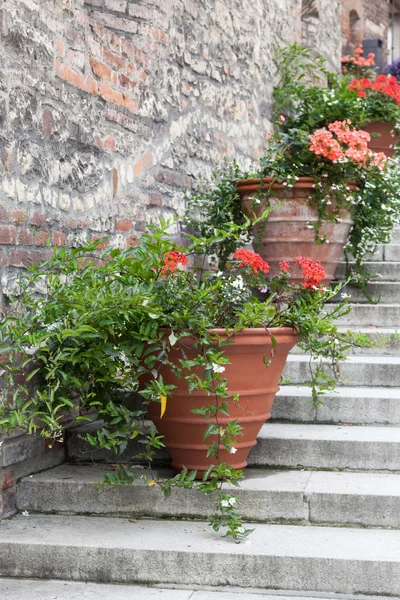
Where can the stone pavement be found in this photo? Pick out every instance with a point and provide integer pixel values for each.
(26, 589)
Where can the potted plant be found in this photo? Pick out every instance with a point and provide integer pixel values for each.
(380, 100)
(324, 188)
(196, 343)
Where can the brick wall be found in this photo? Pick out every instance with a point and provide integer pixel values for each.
(108, 108)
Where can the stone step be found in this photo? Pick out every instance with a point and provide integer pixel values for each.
(307, 497)
(362, 315)
(357, 370)
(396, 236)
(387, 292)
(385, 252)
(327, 447)
(354, 405)
(99, 549)
(390, 335)
(291, 445)
(29, 589)
(385, 271)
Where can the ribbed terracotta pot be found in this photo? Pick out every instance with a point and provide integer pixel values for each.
(246, 375)
(285, 235)
(387, 139)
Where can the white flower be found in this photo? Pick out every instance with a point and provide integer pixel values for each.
(217, 368)
(263, 289)
(238, 283)
(219, 274)
(233, 450)
(225, 503)
(25, 513)
(344, 296)
(240, 530)
(232, 501)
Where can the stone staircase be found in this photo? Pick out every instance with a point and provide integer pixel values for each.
(322, 488)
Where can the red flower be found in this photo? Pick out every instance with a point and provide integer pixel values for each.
(313, 272)
(251, 259)
(284, 266)
(171, 260)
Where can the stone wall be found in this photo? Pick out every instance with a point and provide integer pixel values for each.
(109, 108)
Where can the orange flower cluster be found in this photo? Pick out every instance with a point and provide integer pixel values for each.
(313, 272)
(251, 259)
(385, 84)
(357, 60)
(350, 143)
(284, 266)
(171, 261)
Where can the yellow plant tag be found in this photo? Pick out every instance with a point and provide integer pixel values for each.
(163, 405)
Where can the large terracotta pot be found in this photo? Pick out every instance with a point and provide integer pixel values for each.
(285, 235)
(387, 139)
(246, 375)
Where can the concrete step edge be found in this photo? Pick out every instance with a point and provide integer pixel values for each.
(324, 559)
(303, 497)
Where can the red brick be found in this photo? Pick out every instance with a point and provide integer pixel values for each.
(42, 238)
(25, 237)
(143, 76)
(127, 48)
(38, 219)
(19, 216)
(60, 48)
(110, 95)
(69, 75)
(114, 59)
(100, 69)
(103, 244)
(115, 42)
(155, 198)
(24, 258)
(124, 225)
(130, 104)
(125, 82)
(58, 238)
(115, 178)
(7, 480)
(8, 234)
(91, 86)
(131, 241)
(131, 68)
(109, 142)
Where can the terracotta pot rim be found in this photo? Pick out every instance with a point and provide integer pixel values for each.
(302, 182)
(252, 331)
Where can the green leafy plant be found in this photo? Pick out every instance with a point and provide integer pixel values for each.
(92, 326)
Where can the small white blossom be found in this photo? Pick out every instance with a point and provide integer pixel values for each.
(25, 513)
(344, 296)
(217, 368)
(233, 450)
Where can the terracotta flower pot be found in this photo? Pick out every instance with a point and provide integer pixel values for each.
(387, 137)
(286, 234)
(246, 375)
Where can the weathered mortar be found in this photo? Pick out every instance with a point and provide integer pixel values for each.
(108, 108)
